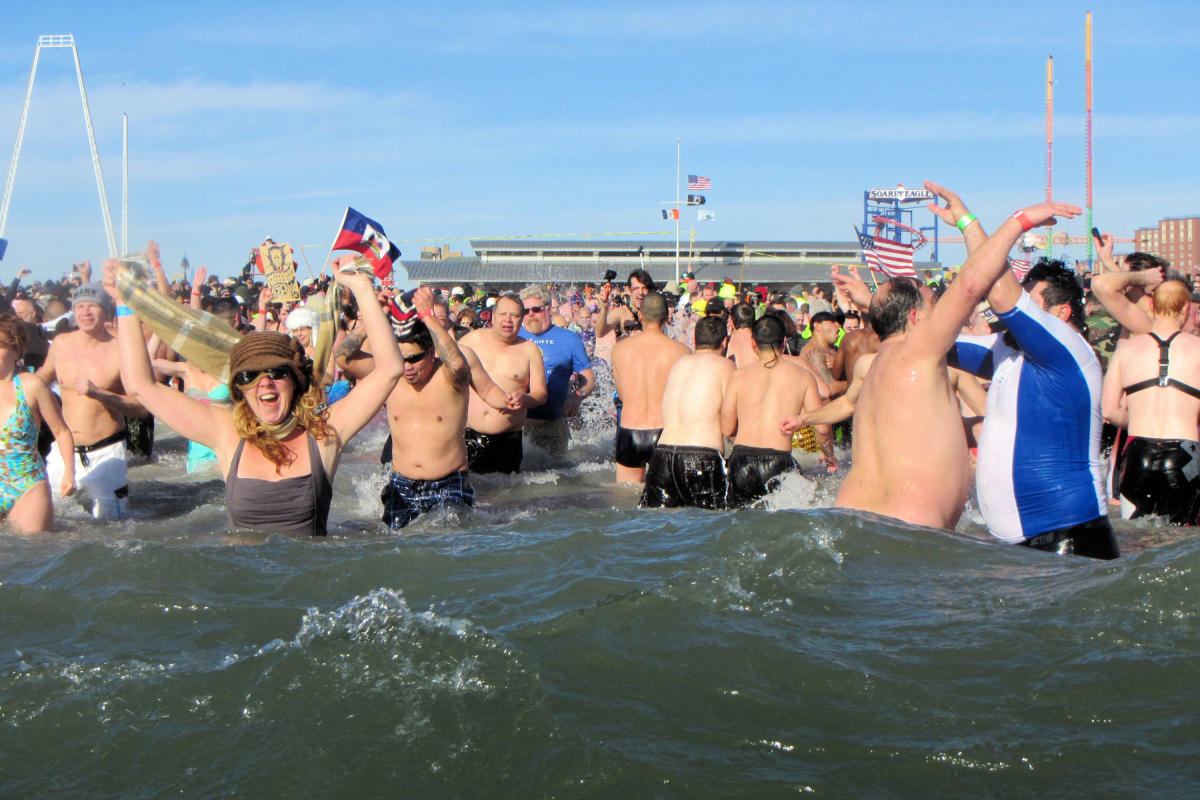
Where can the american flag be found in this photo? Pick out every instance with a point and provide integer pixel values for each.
(698, 183)
(884, 255)
(1020, 267)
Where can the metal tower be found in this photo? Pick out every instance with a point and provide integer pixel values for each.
(894, 210)
(63, 40)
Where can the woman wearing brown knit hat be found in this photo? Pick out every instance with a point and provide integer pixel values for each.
(278, 445)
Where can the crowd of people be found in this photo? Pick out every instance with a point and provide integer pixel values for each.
(975, 382)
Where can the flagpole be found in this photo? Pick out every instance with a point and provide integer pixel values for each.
(308, 265)
(677, 208)
(335, 238)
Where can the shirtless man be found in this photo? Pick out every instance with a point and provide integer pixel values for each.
(427, 414)
(822, 353)
(687, 467)
(493, 436)
(758, 396)
(624, 319)
(909, 457)
(1151, 389)
(641, 363)
(741, 343)
(87, 367)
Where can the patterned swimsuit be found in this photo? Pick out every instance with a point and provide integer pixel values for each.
(21, 467)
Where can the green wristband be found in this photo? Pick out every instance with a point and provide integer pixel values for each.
(965, 220)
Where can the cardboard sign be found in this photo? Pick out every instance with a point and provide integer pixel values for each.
(275, 262)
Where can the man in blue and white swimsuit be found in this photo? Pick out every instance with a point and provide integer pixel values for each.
(1040, 478)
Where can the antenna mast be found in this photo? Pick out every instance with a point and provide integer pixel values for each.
(1087, 58)
(59, 40)
(1049, 144)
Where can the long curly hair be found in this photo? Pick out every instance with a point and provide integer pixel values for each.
(308, 411)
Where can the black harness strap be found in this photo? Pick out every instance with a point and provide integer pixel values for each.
(1162, 380)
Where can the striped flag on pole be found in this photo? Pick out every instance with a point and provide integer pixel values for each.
(698, 183)
(883, 255)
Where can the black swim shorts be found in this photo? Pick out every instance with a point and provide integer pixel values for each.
(1161, 477)
(1094, 539)
(754, 471)
(679, 475)
(494, 452)
(635, 446)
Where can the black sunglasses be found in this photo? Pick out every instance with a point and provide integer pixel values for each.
(535, 309)
(415, 357)
(249, 376)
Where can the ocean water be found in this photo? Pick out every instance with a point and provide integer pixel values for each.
(561, 643)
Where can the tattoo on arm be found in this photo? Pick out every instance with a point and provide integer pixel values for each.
(352, 344)
(447, 350)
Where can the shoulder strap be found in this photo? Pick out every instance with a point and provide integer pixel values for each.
(1183, 387)
(322, 486)
(1164, 359)
(233, 465)
(314, 456)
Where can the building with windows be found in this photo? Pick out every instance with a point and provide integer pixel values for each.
(504, 264)
(1177, 239)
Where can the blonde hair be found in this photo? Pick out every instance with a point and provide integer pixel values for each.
(1171, 298)
(308, 412)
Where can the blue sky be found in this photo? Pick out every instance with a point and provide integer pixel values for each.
(452, 121)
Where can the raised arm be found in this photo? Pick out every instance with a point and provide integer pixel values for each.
(602, 326)
(197, 295)
(1104, 253)
(849, 284)
(955, 213)
(201, 423)
(351, 413)
(444, 344)
(935, 335)
(160, 277)
(1110, 290)
(1006, 291)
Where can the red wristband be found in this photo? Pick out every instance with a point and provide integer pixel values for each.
(156, 263)
(426, 313)
(1024, 220)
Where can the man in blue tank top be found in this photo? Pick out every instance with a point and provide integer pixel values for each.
(564, 356)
